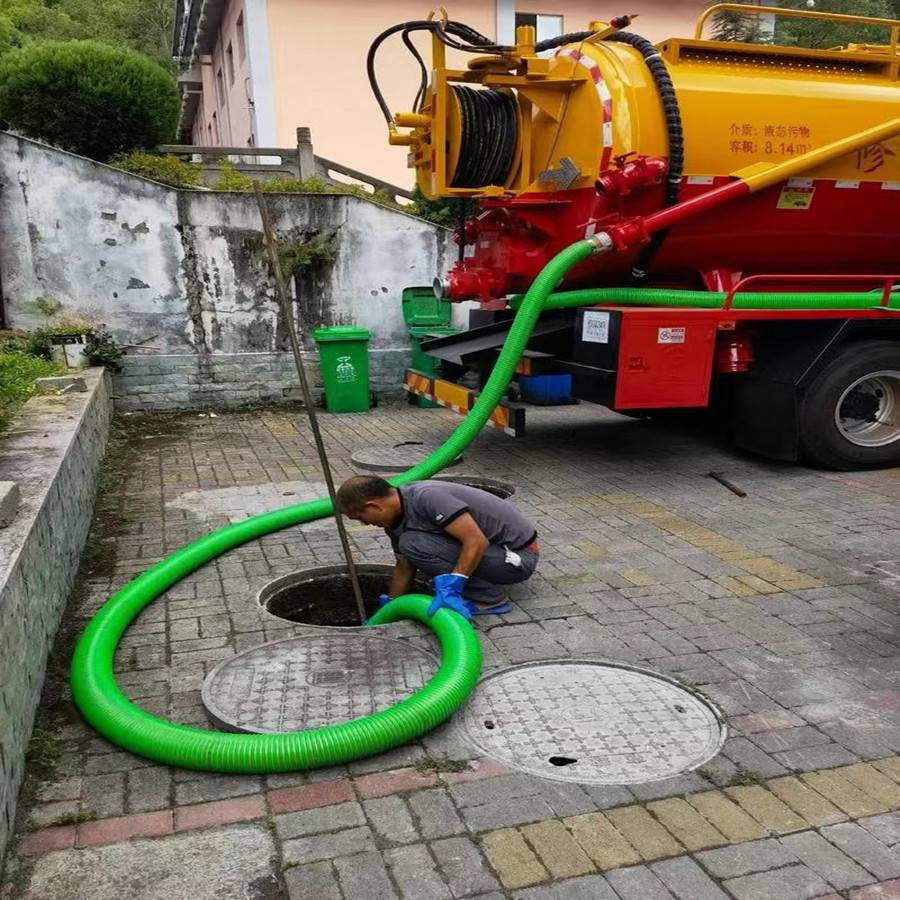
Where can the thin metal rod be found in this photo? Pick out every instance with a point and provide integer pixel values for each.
(287, 313)
(729, 484)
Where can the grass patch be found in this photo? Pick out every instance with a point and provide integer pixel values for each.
(18, 372)
(440, 764)
(86, 815)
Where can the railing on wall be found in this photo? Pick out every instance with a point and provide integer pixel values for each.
(294, 162)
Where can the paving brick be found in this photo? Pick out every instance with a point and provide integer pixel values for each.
(790, 739)
(328, 846)
(435, 814)
(886, 890)
(766, 720)
(382, 784)
(804, 800)
(414, 872)
(637, 883)
(686, 880)
(643, 832)
(309, 796)
(587, 887)
(216, 787)
(463, 866)
(843, 794)
(686, 824)
(885, 828)
(790, 883)
(123, 828)
(316, 821)
(748, 756)
(220, 812)
(557, 849)
(860, 846)
(512, 859)
(390, 819)
(743, 859)
(601, 841)
(47, 839)
(364, 876)
(506, 813)
(890, 767)
(810, 759)
(874, 783)
(104, 795)
(478, 770)
(767, 809)
(316, 880)
(826, 859)
(149, 789)
(735, 824)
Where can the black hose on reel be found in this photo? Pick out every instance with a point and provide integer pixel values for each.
(489, 137)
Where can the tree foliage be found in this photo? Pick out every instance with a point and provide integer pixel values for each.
(87, 97)
(730, 25)
(142, 25)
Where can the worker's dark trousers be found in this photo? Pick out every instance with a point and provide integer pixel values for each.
(437, 554)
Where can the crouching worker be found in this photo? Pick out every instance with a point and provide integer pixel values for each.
(471, 542)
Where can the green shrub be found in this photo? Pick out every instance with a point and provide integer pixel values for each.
(87, 97)
(232, 180)
(164, 169)
(18, 372)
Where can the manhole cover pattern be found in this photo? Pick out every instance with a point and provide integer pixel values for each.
(600, 723)
(310, 681)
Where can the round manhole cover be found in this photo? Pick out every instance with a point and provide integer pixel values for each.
(310, 681)
(593, 723)
(397, 458)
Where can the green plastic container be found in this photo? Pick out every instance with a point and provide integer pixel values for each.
(344, 360)
(421, 361)
(421, 307)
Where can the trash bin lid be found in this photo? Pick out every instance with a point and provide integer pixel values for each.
(427, 331)
(341, 333)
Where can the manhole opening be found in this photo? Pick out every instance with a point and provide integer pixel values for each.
(501, 489)
(324, 595)
(561, 761)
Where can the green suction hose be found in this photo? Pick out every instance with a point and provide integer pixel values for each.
(103, 704)
(709, 299)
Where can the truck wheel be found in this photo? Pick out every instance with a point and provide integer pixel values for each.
(850, 414)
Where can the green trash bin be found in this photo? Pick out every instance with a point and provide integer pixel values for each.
(422, 362)
(344, 360)
(420, 307)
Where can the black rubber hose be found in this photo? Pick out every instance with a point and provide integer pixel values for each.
(423, 71)
(488, 139)
(674, 132)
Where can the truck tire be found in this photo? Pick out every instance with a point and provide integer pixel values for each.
(850, 415)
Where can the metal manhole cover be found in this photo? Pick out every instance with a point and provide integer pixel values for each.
(397, 458)
(591, 722)
(309, 681)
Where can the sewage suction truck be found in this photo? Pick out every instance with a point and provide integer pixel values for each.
(746, 200)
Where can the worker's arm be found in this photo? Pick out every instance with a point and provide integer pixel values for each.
(474, 543)
(402, 578)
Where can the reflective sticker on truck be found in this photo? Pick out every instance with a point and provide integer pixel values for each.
(670, 336)
(796, 197)
(595, 327)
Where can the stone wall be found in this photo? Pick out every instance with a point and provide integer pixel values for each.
(52, 450)
(185, 275)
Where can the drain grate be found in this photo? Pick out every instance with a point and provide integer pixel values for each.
(592, 723)
(310, 681)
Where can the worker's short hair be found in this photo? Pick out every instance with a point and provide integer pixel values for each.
(356, 492)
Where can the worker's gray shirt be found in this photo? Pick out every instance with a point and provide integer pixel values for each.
(431, 506)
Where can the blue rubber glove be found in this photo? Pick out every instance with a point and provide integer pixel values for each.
(383, 599)
(448, 593)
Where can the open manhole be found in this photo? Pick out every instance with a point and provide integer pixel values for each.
(502, 489)
(324, 595)
(592, 723)
(396, 458)
(314, 680)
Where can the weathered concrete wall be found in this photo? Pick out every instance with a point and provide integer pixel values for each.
(186, 273)
(53, 450)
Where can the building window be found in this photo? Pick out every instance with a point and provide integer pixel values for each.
(241, 38)
(229, 62)
(220, 87)
(544, 26)
(214, 130)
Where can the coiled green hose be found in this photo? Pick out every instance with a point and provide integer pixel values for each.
(103, 704)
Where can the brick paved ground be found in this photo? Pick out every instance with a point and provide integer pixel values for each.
(781, 607)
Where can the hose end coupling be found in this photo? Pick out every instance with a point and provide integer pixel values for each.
(602, 242)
